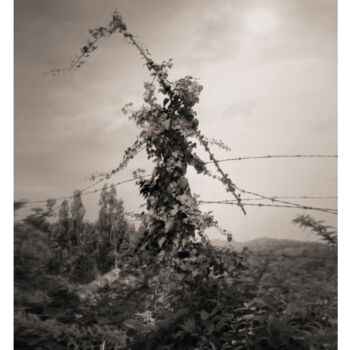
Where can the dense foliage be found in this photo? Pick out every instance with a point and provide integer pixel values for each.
(250, 300)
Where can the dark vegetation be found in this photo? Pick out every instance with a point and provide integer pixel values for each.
(105, 285)
(275, 294)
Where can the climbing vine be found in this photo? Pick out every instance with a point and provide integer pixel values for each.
(169, 134)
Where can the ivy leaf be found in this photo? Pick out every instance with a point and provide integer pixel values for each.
(161, 242)
(131, 323)
(166, 124)
(189, 326)
(174, 210)
(204, 315)
(168, 224)
(166, 100)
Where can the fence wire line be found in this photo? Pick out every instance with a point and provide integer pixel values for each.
(271, 198)
(277, 156)
(286, 204)
(92, 191)
(280, 201)
(237, 159)
(292, 197)
(327, 210)
(222, 160)
(103, 178)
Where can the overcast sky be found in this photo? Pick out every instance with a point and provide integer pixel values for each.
(269, 71)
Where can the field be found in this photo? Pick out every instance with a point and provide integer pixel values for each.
(273, 295)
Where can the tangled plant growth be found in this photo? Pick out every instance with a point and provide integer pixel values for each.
(169, 128)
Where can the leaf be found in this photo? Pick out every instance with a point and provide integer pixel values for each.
(131, 323)
(168, 225)
(204, 315)
(189, 325)
(166, 124)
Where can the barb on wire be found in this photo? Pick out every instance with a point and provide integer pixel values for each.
(276, 156)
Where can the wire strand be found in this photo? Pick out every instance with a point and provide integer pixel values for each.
(275, 198)
(293, 197)
(326, 210)
(271, 198)
(93, 191)
(276, 156)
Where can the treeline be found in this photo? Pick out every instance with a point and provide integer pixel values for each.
(71, 247)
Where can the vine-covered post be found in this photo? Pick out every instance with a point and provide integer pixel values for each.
(169, 130)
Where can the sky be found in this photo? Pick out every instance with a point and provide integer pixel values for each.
(269, 71)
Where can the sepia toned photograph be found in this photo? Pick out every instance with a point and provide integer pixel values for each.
(175, 175)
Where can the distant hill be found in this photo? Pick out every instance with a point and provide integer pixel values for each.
(273, 245)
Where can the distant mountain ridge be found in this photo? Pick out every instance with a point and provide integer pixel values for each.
(272, 245)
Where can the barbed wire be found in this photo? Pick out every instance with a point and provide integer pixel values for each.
(93, 191)
(271, 198)
(327, 210)
(274, 199)
(301, 206)
(292, 197)
(111, 173)
(83, 191)
(231, 159)
(229, 202)
(276, 156)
